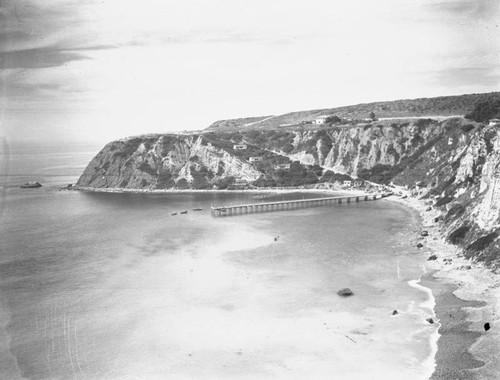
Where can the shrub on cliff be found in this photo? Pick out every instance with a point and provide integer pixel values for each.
(265, 182)
(287, 148)
(297, 175)
(224, 183)
(182, 184)
(484, 111)
(380, 173)
(201, 175)
(422, 123)
(331, 177)
(128, 148)
(444, 200)
(481, 244)
(466, 128)
(364, 173)
(165, 180)
(144, 167)
(458, 235)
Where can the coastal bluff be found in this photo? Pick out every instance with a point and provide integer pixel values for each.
(336, 154)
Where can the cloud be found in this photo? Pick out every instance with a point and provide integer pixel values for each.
(466, 76)
(123, 65)
(37, 58)
(473, 9)
(49, 34)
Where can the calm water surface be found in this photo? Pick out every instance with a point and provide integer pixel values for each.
(112, 286)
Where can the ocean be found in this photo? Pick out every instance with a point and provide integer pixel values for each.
(112, 286)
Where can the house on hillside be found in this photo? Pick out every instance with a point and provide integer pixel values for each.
(255, 159)
(494, 123)
(321, 119)
(240, 147)
(283, 166)
(347, 182)
(326, 119)
(239, 183)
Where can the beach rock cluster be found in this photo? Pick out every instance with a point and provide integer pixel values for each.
(345, 292)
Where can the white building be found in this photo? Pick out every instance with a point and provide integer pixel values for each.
(283, 166)
(240, 182)
(347, 183)
(255, 159)
(321, 119)
(239, 147)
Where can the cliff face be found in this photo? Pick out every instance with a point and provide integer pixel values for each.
(349, 150)
(378, 152)
(204, 160)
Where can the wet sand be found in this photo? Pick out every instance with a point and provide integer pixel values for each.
(453, 359)
(467, 296)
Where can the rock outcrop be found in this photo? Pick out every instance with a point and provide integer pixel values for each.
(164, 161)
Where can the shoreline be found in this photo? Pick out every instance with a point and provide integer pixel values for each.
(466, 297)
(275, 190)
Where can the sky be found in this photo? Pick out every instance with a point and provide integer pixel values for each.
(97, 70)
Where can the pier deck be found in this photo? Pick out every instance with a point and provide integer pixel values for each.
(291, 204)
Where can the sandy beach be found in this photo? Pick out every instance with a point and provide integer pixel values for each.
(467, 297)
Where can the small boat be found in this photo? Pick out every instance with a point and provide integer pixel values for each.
(197, 209)
(174, 213)
(184, 212)
(30, 185)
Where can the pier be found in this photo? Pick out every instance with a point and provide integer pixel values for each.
(291, 204)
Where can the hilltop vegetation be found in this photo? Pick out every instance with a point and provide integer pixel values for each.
(485, 110)
(440, 106)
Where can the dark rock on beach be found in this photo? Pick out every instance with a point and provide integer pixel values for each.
(430, 320)
(432, 257)
(425, 233)
(420, 245)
